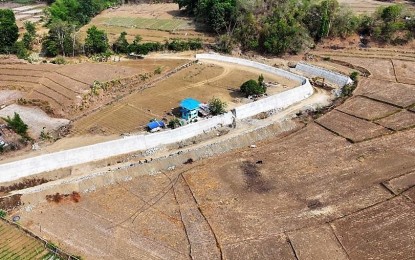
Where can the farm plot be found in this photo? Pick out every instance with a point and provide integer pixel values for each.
(63, 87)
(363, 6)
(147, 23)
(153, 22)
(109, 227)
(402, 95)
(367, 108)
(362, 241)
(380, 69)
(16, 244)
(368, 53)
(200, 81)
(399, 121)
(351, 127)
(405, 71)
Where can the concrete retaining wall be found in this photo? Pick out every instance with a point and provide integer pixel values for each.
(331, 76)
(278, 101)
(253, 64)
(48, 162)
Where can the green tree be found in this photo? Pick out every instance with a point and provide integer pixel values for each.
(96, 41)
(391, 13)
(17, 124)
(217, 106)
(61, 40)
(9, 32)
(65, 10)
(252, 87)
(121, 44)
(30, 35)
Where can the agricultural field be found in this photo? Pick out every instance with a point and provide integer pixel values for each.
(337, 188)
(364, 6)
(153, 22)
(201, 81)
(16, 244)
(59, 89)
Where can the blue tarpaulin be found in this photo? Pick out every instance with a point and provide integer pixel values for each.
(155, 124)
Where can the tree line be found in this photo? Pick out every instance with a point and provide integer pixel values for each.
(289, 26)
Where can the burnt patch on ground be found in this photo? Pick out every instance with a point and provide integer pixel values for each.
(314, 204)
(254, 181)
(57, 198)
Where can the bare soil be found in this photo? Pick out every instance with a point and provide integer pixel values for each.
(367, 108)
(399, 121)
(402, 95)
(351, 127)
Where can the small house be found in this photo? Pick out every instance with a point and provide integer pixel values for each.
(189, 109)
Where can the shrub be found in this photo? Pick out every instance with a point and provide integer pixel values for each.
(354, 75)
(20, 50)
(158, 70)
(17, 124)
(217, 106)
(174, 123)
(59, 60)
(2, 213)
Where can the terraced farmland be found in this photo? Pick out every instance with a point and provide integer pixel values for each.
(61, 89)
(16, 244)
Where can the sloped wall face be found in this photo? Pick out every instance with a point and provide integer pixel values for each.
(336, 78)
(49, 162)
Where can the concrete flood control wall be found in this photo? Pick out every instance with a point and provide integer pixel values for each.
(48, 162)
(334, 77)
(93, 181)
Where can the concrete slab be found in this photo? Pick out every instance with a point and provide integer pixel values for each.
(265, 248)
(399, 121)
(384, 231)
(317, 243)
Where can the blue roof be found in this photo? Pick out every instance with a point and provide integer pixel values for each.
(155, 124)
(189, 103)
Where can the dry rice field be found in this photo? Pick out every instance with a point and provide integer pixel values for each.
(16, 244)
